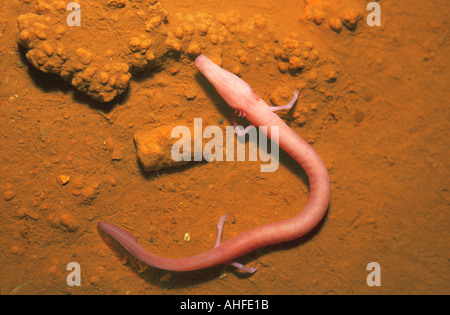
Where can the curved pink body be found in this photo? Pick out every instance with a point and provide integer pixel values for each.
(239, 95)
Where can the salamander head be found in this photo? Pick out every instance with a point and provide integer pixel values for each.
(237, 93)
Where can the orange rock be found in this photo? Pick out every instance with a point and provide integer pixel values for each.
(350, 18)
(8, 195)
(64, 179)
(68, 221)
(335, 24)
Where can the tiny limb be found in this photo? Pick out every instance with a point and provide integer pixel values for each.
(256, 95)
(240, 131)
(243, 267)
(240, 113)
(219, 239)
(288, 106)
(220, 230)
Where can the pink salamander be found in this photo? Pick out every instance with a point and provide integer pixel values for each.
(240, 96)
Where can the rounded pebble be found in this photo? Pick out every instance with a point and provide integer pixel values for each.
(9, 195)
(335, 24)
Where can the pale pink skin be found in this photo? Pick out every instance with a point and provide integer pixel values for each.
(240, 96)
